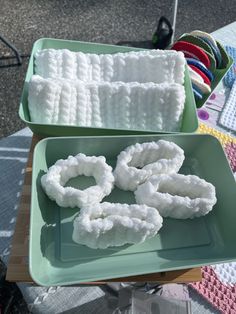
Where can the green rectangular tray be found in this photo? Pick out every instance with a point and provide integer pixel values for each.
(54, 259)
(189, 123)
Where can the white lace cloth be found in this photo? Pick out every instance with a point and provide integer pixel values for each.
(228, 115)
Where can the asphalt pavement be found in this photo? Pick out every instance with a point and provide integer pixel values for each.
(104, 21)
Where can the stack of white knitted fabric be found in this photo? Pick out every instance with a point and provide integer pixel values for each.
(137, 90)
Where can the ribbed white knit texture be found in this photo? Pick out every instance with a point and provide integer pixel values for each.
(146, 106)
(156, 66)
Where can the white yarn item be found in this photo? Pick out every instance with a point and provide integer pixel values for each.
(226, 273)
(228, 115)
(135, 66)
(177, 196)
(139, 162)
(117, 105)
(100, 226)
(53, 182)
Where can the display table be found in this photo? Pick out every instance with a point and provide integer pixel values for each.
(83, 299)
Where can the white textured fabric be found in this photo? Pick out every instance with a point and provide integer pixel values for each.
(113, 224)
(138, 162)
(177, 196)
(226, 273)
(53, 182)
(199, 305)
(228, 115)
(136, 66)
(146, 106)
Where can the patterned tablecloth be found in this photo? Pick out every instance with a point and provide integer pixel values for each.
(218, 285)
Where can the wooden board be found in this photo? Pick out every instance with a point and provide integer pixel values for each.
(18, 270)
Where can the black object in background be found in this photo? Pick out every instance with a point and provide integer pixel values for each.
(162, 37)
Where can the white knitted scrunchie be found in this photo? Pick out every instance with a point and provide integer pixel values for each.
(114, 224)
(177, 196)
(53, 182)
(140, 161)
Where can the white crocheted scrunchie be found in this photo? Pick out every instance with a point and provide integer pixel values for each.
(53, 182)
(112, 224)
(140, 161)
(177, 196)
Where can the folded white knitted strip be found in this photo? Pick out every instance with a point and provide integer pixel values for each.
(177, 196)
(113, 224)
(139, 162)
(146, 106)
(140, 66)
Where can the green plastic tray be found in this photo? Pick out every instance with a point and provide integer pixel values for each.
(189, 123)
(54, 259)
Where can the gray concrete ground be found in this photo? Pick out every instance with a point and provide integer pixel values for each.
(106, 21)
